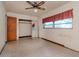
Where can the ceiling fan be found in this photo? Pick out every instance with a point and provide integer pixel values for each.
(35, 5)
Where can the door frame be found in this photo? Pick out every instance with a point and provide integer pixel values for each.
(25, 21)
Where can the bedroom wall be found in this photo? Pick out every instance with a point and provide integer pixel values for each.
(66, 37)
(35, 29)
(20, 16)
(3, 27)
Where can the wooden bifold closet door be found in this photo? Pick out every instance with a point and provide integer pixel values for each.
(11, 28)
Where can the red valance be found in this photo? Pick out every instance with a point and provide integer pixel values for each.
(60, 16)
(64, 15)
(67, 14)
(49, 19)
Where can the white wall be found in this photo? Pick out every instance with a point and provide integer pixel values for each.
(25, 28)
(67, 37)
(35, 29)
(3, 28)
(20, 16)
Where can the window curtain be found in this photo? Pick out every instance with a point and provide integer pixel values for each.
(64, 15)
(67, 14)
(60, 16)
(48, 19)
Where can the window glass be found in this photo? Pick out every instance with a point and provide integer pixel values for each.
(48, 25)
(66, 23)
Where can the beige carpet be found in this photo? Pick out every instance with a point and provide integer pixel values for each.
(35, 47)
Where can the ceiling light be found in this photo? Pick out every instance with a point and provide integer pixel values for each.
(35, 10)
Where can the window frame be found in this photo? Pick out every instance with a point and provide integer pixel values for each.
(57, 28)
(48, 28)
(64, 23)
(60, 16)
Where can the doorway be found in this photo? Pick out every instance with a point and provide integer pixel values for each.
(25, 28)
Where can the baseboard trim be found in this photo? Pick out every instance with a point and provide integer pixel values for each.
(60, 45)
(71, 49)
(3, 47)
(25, 36)
(53, 42)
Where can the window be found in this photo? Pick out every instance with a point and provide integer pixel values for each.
(66, 23)
(48, 25)
(61, 20)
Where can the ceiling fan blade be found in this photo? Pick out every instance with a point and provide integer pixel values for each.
(41, 8)
(41, 3)
(30, 3)
(29, 8)
(35, 3)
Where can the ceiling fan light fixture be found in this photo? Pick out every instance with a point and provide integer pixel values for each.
(35, 10)
(35, 5)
